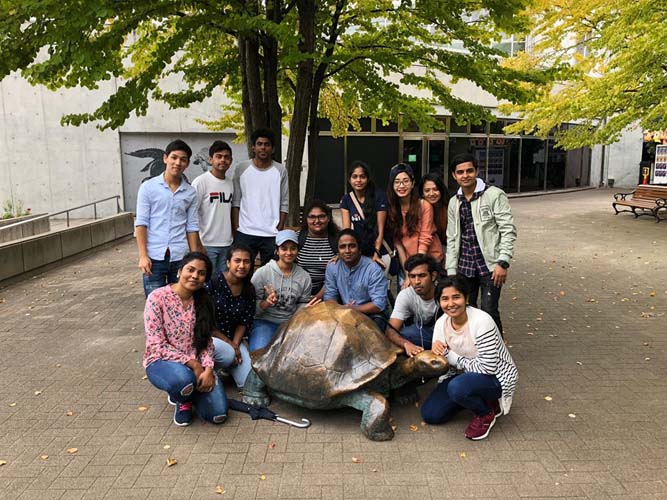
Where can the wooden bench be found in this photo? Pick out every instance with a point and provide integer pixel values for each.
(647, 198)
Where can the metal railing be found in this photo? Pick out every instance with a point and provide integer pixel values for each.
(67, 211)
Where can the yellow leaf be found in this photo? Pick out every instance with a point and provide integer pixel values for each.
(145, 377)
(219, 490)
(562, 293)
(393, 428)
(548, 398)
(44, 457)
(414, 428)
(572, 415)
(166, 447)
(37, 393)
(12, 405)
(3, 462)
(652, 294)
(462, 454)
(263, 477)
(356, 460)
(171, 462)
(69, 413)
(272, 445)
(142, 408)
(58, 365)
(72, 451)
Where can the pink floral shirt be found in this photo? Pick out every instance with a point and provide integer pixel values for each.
(170, 329)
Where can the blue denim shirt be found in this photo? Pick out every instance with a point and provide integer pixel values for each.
(361, 284)
(167, 216)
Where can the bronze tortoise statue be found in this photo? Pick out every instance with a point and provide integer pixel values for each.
(330, 356)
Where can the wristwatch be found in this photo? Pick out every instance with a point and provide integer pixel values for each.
(504, 264)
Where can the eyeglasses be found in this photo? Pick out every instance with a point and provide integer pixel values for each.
(402, 182)
(318, 217)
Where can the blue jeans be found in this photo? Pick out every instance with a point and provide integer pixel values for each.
(490, 296)
(163, 272)
(180, 383)
(261, 333)
(265, 245)
(411, 333)
(218, 256)
(224, 358)
(467, 390)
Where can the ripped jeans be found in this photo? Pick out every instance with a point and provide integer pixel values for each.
(180, 383)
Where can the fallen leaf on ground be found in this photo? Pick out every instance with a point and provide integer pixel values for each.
(393, 428)
(356, 460)
(645, 343)
(72, 451)
(166, 447)
(263, 477)
(44, 457)
(171, 462)
(3, 462)
(647, 315)
(572, 415)
(414, 428)
(652, 294)
(145, 377)
(219, 490)
(647, 359)
(374, 470)
(12, 404)
(69, 413)
(272, 445)
(142, 408)
(579, 363)
(58, 365)
(462, 454)
(37, 393)
(548, 398)
(423, 424)
(562, 293)
(530, 333)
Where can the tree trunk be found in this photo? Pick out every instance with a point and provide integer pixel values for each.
(313, 140)
(274, 119)
(299, 123)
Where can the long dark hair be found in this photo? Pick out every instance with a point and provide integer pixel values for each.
(332, 227)
(395, 214)
(204, 310)
(248, 290)
(440, 208)
(368, 206)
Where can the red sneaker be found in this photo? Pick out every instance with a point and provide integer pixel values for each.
(480, 426)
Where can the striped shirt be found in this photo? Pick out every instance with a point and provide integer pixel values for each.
(314, 257)
(492, 357)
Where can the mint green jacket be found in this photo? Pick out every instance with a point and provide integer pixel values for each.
(494, 227)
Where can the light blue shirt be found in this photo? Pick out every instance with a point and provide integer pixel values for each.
(167, 217)
(361, 284)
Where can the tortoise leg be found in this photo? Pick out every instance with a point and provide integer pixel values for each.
(375, 419)
(254, 391)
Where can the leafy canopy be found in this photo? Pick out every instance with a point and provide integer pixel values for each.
(378, 58)
(609, 70)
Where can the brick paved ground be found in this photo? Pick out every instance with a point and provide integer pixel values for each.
(584, 312)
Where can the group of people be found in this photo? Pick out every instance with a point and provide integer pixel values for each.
(198, 244)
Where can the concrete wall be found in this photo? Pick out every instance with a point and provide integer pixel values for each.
(22, 227)
(32, 253)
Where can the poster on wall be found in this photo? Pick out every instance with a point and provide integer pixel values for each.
(142, 153)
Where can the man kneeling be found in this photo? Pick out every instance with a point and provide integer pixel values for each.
(413, 318)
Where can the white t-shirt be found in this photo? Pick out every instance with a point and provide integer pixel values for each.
(409, 305)
(260, 195)
(215, 209)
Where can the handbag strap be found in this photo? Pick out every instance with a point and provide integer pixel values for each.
(355, 201)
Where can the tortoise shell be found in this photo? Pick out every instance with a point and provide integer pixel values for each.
(322, 352)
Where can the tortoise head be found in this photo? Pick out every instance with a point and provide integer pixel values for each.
(425, 364)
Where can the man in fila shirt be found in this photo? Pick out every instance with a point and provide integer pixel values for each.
(214, 192)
